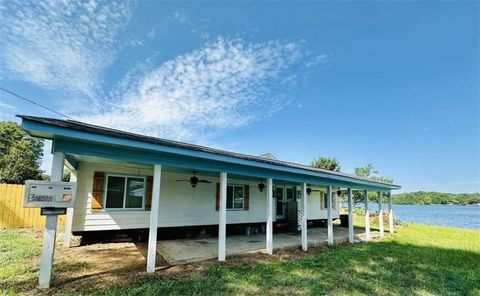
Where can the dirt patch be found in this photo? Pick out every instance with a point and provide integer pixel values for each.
(98, 266)
(89, 267)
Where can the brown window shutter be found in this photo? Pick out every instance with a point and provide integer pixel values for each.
(246, 202)
(97, 192)
(148, 193)
(217, 198)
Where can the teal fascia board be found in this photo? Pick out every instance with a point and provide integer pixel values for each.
(134, 156)
(84, 143)
(73, 162)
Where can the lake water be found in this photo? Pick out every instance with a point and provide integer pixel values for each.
(443, 215)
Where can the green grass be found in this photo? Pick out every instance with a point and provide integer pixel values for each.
(15, 250)
(419, 260)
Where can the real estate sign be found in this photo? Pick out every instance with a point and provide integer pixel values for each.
(46, 194)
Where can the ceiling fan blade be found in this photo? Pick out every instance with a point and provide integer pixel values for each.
(204, 181)
(183, 180)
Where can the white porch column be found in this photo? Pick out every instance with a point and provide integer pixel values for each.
(50, 230)
(329, 215)
(367, 218)
(222, 223)
(69, 216)
(154, 210)
(380, 213)
(350, 217)
(269, 216)
(304, 217)
(390, 213)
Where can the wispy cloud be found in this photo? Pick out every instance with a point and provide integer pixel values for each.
(317, 60)
(152, 33)
(6, 107)
(224, 84)
(198, 27)
(179, 16)
(60, 44)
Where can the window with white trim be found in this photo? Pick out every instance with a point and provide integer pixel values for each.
(235, 197)
(125, 192)
(325, 201)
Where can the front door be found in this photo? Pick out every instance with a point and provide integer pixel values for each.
(283, 194)
(280, 206)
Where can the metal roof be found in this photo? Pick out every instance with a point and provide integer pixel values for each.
(101, 130)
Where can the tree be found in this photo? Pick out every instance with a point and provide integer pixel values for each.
(368, 172)
(327, 163)
(20, 154)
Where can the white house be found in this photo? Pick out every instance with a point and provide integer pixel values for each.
(128, 181)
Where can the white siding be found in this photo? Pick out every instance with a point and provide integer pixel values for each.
(314, 205)
(180, 205)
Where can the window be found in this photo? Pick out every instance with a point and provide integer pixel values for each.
(235, 197)
(325, 200)
(124, 192)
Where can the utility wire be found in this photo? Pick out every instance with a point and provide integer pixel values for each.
(35, 103)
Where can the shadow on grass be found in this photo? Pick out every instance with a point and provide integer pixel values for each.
(386, 268)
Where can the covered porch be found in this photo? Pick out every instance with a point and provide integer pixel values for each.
(182, 251)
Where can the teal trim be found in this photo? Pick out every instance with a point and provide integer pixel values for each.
(73, 162)
(190, 163)
(97, 145)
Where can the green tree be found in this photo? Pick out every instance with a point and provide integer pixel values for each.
(368, 172)
(327, 163)
(427, 200)
(20, 154)
(435, 198)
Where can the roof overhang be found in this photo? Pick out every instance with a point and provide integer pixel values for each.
(91, 142)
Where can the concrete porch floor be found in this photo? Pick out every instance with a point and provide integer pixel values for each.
(181, 251)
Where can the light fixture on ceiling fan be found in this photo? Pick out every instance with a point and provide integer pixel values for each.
(310, 190)
(194, 180)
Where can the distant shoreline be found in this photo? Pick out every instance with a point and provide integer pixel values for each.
(436, 198)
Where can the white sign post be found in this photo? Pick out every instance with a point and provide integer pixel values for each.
(53, 198)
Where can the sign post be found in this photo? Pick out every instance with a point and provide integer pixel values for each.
(53, 198)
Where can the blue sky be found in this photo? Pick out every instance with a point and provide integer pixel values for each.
(395, 84)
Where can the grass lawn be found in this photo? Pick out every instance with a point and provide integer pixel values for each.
(419, 260)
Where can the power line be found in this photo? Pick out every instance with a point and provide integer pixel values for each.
(35, 103)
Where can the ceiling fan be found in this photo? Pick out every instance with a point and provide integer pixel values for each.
(194, 180)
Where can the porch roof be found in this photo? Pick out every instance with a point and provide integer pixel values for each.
(76, 137)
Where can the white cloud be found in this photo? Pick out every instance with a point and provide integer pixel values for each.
(60, 44)
(180, 16)
(222, 85)
(6, 111)
(317, 60)
(135, 43)
(6, 106)
(152, 33)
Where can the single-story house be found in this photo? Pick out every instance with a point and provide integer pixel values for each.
(130, 181)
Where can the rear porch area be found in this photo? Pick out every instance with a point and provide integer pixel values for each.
(181, 251)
